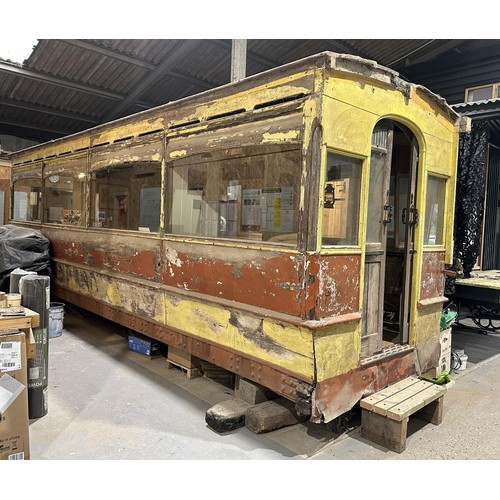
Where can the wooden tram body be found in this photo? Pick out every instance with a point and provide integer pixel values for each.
(292, 227)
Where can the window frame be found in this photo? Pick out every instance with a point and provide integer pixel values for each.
(442, 244)
(341, 247)
(246, 151)
(148, 148)
(67, 167)
(34, 172)
(494, 91)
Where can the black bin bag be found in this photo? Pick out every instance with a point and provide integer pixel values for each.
(23, 248)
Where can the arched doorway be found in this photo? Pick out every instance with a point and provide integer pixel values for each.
(389, 248)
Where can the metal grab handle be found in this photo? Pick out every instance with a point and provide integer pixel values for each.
(413, 216)
(389, 211)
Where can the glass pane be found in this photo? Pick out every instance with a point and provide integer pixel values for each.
(375, 199)
(126, 196)
(64, 198)
(341, 205)
(231, 194)
(434, 211)
(26, 199)
(480, 94)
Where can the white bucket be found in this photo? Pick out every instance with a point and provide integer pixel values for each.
(56, 319)
(463, 362)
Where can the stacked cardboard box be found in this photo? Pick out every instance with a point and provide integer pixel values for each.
(14, 421)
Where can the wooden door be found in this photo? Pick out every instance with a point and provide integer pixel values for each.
(379, 214)
(410, 219)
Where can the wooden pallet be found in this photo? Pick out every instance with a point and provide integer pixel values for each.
(190, 372)
(385, 414)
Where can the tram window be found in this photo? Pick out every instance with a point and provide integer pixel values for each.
(26, 199)
(64, 198)
(126, 196)
(341, 200)
(250, 194)
(434, 211)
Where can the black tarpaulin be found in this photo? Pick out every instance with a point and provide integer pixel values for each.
(22, 248)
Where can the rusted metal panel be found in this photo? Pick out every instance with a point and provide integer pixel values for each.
(258, 278)
(133, 254)
(332, 397)
(433, 278)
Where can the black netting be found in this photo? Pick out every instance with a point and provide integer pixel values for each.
(473, 149)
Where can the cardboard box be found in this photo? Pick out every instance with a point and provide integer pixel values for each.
(445, 340)
(143, 345)
(182, 358)
(445, 361)
(14, 420)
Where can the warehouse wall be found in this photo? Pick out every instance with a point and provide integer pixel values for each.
(450, 76)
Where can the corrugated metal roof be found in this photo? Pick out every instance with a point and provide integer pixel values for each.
(69, 85)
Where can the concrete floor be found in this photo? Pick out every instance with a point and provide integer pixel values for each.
(108, 403)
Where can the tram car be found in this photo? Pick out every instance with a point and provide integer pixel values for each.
(292, 228)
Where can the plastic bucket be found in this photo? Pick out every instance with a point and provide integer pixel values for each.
(56, 319)
(463, 362)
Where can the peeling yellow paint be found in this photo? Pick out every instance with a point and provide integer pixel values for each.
(213, 324)
(178, 154)
(337, 349)
(280, 137)
(113, 294)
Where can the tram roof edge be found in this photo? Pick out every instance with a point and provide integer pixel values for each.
(330, 60)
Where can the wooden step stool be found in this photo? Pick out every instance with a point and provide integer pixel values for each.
(385, 414)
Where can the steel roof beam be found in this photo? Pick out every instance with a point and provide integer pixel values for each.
(34, 126)
(12, 69)
(92, 47)
(170, 61)
(250, 55)
(435, 52)
(48, 111)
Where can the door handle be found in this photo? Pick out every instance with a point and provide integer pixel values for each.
(388, 213)
(412, 216)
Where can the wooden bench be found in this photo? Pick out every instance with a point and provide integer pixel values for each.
(385, 414)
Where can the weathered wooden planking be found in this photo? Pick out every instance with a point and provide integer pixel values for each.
(399, 397)
(381, 395)
(417, 402)
(403, 398)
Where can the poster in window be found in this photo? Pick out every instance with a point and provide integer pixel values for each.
(250, 216)
(277, 209)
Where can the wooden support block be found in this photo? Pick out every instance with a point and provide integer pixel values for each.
(190, 372)
(271, 415)
(182, 358)
(252, 392)
(390, 434)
